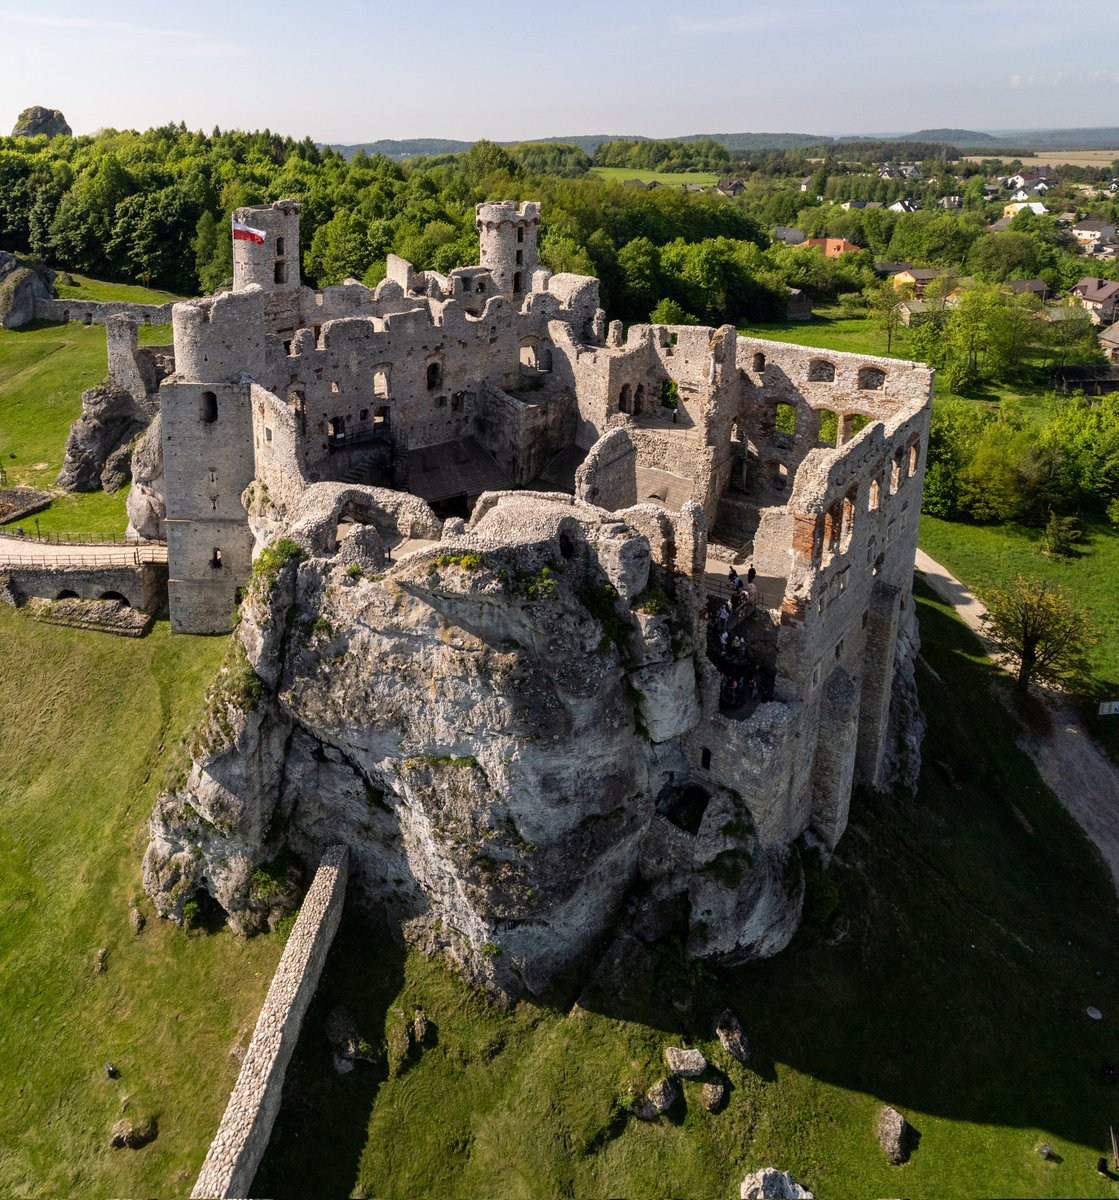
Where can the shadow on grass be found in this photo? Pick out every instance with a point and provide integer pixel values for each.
(978, 922)
(321, 1129)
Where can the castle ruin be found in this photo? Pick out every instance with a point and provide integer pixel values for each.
(515, 523)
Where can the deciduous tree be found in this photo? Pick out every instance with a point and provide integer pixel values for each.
(1041, 629)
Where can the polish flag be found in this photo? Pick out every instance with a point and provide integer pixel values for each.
(246, 233)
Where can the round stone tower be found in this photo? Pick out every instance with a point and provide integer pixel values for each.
(508, 234)
(273, 263)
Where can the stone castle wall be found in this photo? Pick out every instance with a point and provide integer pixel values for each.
(98, 312)
(243, 1134)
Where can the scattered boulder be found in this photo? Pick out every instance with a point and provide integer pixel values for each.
(136, 919)
(342, 1033)
(419, 1026)
(713, 1094)
(38, 121)
(111, 1070)
(657, 1100)
(689, 1063)
(771, 1184)
(99, 961)
(730, 1033)
(894, 1134)
(131, 1136)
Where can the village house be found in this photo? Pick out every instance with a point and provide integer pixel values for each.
(1109, 342)
(834, 247)
(1099, 296)
(1093, 233)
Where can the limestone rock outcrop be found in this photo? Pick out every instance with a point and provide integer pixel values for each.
(98, 447)
(894, 1134)
(38, 121)
(147, 506)
(20, 287)
(472, 722)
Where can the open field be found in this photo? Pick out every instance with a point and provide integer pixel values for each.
(957, 994)
(88, 722)
(43, 371)
(669, 178)
(1057, 158)
(84, 288)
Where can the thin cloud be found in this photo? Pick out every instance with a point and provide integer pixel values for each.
(181, 43)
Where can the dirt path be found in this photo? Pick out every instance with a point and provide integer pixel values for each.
(1078, 773)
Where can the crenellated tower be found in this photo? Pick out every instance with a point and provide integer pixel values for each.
(508, 233)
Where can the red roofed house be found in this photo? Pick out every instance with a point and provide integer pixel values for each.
(834, 247)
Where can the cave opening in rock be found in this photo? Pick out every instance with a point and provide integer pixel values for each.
(686, 807)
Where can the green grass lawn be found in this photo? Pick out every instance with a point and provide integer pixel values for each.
(88, 721)
(830, 329)
(84, 288)
(669, 178)
(976, 916)
(43, 372)
(983, 556)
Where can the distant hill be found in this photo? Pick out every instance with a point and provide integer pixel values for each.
(1103, 138)
(951, 137)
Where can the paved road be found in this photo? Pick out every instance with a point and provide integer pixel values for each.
(1076, 770)
(15, 551)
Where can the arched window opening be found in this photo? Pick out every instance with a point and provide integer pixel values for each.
(544, 359)
(821, 371)
(119, 597)
(434, 375)
(913, 454)
(567, 546)
(208, 408)
(281, 274)
(517, 284)
(279, 247)
(624, 398)
(875, 494)
(871, 379)
(381, 382)
(381, 417)
(215, 559)
(849, 502)
(829, 428)
(705, 759)
(66, 594)
(759, 363)
(639, 398)
(785, 419)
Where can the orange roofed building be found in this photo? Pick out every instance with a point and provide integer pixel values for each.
(833, 247)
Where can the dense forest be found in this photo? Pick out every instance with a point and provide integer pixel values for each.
(155, 207)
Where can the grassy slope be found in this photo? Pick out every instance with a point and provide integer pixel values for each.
(86, 721)
(43, 372)
(669, 178)
(84, 288)
(977, 913)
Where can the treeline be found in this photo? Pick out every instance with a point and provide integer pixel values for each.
(995, 466)
(664, 155)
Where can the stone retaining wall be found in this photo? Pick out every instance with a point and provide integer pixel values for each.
(243, 1135)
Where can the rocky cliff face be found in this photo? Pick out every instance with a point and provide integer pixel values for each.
(37, 120)
(98, 447)
(495, 726)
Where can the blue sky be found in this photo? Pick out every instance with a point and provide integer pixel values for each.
(358, 70)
